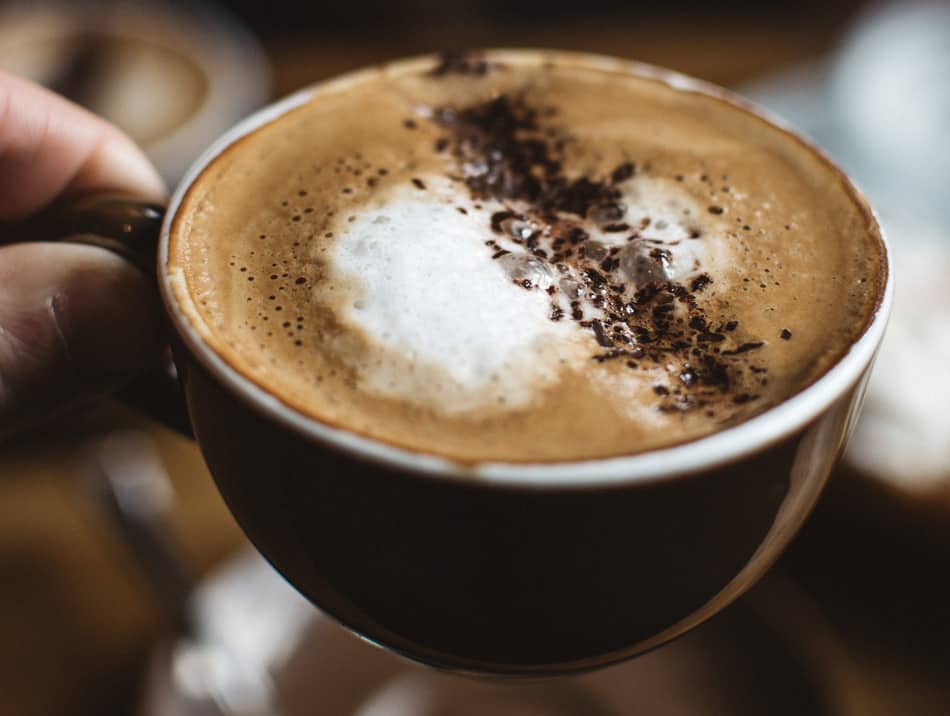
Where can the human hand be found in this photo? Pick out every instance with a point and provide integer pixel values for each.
(75, 321)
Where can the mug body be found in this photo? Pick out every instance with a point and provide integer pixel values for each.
(514, 579)
(513, 569)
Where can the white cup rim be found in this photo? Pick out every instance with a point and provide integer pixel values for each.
(720, 448)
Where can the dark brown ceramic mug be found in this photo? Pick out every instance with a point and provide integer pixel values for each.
(500, 568)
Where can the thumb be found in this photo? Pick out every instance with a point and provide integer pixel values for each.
(75, 322)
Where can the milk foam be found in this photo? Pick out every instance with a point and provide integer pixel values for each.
(428, 291)
(460, 328)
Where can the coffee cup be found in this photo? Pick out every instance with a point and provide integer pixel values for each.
(501, 567)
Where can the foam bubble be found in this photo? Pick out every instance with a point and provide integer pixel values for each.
(645, 264)
(527, 270)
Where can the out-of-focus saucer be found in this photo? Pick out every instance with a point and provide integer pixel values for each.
(261, 650)
(173, 79)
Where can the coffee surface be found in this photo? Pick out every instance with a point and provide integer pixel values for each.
(524, 258)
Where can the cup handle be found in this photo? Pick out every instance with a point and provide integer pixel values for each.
(131, 228)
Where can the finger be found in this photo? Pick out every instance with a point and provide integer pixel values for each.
(75, 322)
(50, 147)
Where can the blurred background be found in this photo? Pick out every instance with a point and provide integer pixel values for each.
(107, 521)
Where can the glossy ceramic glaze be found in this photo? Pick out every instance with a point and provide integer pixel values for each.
(504, 578)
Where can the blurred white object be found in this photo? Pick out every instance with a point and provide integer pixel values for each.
(259, 649)
(172, 76)
(890, 91)
(903, 436)
(247, 621)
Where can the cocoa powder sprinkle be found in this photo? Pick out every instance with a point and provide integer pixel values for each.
(510, 151)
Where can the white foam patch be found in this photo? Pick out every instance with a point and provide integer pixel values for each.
(673, 219)
(429, 293)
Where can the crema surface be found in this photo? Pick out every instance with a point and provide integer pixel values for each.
(524, 258)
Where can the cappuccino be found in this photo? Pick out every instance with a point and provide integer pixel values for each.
(524, 257)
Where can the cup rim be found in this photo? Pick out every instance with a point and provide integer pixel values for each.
(701, 454)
